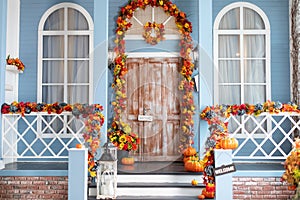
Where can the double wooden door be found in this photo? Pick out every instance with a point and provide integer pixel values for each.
(153, 106)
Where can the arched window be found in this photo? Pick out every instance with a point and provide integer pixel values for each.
(152, 14)
(241, 55)
(65, 42)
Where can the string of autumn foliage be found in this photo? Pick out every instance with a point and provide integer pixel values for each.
(186, 84)
(91, 115)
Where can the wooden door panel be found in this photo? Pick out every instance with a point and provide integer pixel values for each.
(152, 89)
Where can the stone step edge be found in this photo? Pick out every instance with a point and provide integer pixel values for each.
(152, 185)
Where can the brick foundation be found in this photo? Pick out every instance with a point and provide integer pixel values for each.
(29, 187)
(56, 188)
(257, 188)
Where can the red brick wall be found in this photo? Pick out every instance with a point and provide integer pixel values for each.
(56, 188)
(29, 187)
(260, 188)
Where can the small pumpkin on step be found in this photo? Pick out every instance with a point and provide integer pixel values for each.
(127, 161)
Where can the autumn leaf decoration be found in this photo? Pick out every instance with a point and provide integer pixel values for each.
(16, 62)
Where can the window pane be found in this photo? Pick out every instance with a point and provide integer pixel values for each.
(52, 94)
(78, 94)
(78, 46)
(255, 94)
(78, 72)
(76, 21)
(254, 46)
(229, 46)
(53, 46)
(255, 71)
(229, 72)
(229, 94)
(252, 20)
(231, 20)
(55, 21)
(53, 71)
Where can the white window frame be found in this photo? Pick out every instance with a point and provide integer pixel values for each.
(41, 33)
(241, 32)
(152, 17)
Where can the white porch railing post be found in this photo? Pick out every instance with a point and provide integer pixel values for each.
(223, 182)
(77, 174)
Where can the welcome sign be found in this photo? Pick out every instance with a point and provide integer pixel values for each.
(224, 169)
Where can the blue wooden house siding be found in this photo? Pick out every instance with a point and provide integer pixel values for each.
(276, 10)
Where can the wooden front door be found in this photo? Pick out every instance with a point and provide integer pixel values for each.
(152, 92)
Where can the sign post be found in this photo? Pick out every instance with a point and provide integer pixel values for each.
(223, 174)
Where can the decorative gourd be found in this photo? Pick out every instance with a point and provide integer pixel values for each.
(201, 196)
(189, 151)
(127, 161)
(194, 182)
(78, 146)
(229, 143)
(193, 166)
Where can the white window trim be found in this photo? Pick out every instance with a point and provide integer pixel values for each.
(266, 32)
(140, 37)
(217, 32)
(41, 32)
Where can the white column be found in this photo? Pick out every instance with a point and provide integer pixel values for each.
(100, 54)
(206, 66)
(12, 32)
(78, 174)
(3, 22)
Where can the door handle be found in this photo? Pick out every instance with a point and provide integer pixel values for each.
(145, 110)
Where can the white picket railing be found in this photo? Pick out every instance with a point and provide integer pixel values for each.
(42, 135)
(39, 135)
(266, 137)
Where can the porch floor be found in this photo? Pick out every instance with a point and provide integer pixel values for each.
(140, 167)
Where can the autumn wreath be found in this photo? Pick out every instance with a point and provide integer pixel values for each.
(153, 33)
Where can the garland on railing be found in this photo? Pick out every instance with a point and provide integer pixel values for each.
(186, 85)
(91, 115)
(215, 117)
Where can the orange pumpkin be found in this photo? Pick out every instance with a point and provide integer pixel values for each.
(193, 166)
(127, 161)
(190, 151)
(187, 158)
(229, 143)
(78, 146)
